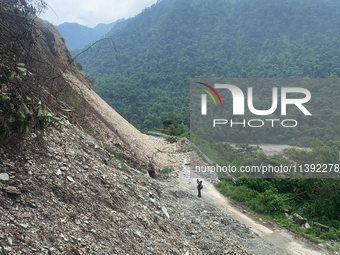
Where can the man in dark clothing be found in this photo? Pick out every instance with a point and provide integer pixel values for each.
(199, 187)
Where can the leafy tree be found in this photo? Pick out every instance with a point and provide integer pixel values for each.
(167, 123)
(176, 128)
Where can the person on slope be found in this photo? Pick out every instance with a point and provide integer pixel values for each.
(199, 187)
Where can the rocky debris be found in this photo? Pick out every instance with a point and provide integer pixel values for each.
(306, 225)
(183, 145)
(184, 142)
(4, 177)
(165, 211)
(285, 210)
(172, 140)
(298, 219)
(106, 207)
(12, 190)
(70, 178)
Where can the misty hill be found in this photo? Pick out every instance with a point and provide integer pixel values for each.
(165, 45)
(77, 36)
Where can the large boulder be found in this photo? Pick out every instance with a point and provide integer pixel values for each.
(298, 219)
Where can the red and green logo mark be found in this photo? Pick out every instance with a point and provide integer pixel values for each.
(208, 92)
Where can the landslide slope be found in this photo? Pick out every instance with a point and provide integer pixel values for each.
(62, 86)
(77, 198)
(63, 193)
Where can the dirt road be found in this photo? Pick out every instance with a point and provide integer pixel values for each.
(269, 241)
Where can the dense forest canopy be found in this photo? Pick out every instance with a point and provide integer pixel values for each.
(161, 48)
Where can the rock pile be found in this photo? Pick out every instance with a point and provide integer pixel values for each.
(74, 197)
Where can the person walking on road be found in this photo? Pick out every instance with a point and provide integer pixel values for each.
(199, 187)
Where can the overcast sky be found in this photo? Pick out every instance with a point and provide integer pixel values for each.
(92, 12)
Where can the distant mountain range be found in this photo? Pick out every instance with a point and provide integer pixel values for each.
(77, 36)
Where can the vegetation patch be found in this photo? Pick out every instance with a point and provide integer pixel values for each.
(167, 170)
(115, 153)
(273, 197)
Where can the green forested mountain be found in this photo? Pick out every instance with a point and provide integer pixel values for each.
(77, 36)
(165, 45)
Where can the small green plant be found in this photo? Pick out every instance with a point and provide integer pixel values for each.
(116, 154)
(79, 66)
(167, 170)
(18, 111)
(23, 114)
